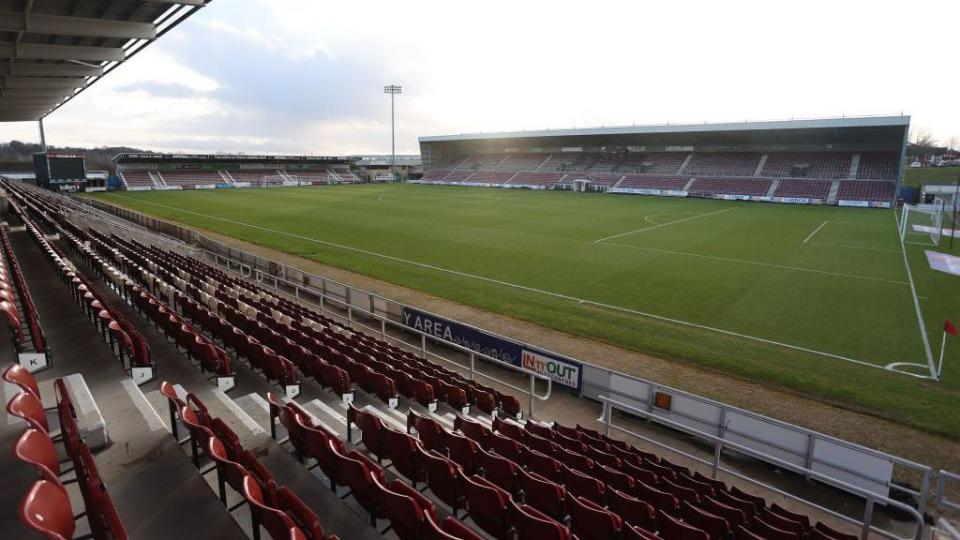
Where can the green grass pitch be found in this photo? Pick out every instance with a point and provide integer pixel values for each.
(814, 299)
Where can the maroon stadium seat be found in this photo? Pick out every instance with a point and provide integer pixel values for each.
(590, 521)
(488, 506)
(542, 494)
(673, 529)
(46, 509)
(531, 523)
(582, 485)
(26, 406)
(21, 376)
(632, 510)
(715, 526)
(36, 448)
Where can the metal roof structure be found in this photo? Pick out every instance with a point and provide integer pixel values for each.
(860, 128)
(51, 50)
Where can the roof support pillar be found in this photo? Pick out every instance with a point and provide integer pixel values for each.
(43, 136)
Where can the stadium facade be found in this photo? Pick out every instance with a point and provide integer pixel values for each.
(843, 161)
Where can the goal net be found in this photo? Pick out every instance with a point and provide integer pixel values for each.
(922, 223)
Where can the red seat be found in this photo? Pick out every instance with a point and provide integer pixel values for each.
(199, 435)
(21, 376)
(637, 533)
(602, 457)
(672, 528)
(509, 429)
(405, 508)
(228, 472)
(263, 476)
(319, 445)
(770, 532)
(463, 452)
(718, 485)
(742, 533)
(36, 448)
(616, 479)
(443, 477)
(542, 494)
(703, 489)
(733, 516)
(640, 474)
(582, 485)
(531, 523)
(371, 429)
(174, 404)
(487, 505)
(782, 523)
(570, 432)
(576, 461)
(660, 500)
(229, 439)
(540, 430)
(545, 466)
(451, 529)
(680, 492)
(505, 446)
(472, 430)
(632, 510)
(662, 472)
(715, 526)
(358, 472)
(399, 448)
(430, 432)
(590, 521)
(747, 507)
(830, 532)
(277, 523)
(305, 518)
(26, 406)
(783, 512)
(544, 446)
(757, 501)
(499, 470)
(46, 509)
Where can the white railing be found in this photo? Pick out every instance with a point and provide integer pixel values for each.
(716, 465)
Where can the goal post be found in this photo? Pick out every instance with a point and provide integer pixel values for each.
(922, 223)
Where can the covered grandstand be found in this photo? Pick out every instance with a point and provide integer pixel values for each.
(842, 161)
(140, 172)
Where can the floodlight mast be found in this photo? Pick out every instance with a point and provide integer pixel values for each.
(392, 89)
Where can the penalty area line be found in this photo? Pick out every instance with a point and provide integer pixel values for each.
(815, 231)
(526, 288)
(698, 216)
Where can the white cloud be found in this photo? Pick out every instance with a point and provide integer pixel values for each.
(305, 76)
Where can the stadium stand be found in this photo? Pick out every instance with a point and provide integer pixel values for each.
(541, 180)
(137, 178)
(652, 182)
(722, 164)
(184, 177)
(665, 163)
(807, 165)
(877, 166)
(864, 190)
(461, 462)
(731, 186)
(814, 189)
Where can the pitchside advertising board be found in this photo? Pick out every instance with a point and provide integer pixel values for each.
(562, 371)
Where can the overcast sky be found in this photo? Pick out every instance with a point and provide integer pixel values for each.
(307, 76)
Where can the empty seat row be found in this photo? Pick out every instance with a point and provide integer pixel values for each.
(276, 508)
(24, 321)
(46, 507)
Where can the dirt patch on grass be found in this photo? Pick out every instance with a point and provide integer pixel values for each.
(865, 429)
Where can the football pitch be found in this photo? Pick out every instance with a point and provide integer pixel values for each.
(820, 300)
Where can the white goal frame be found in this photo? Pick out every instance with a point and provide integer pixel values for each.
(926, 215)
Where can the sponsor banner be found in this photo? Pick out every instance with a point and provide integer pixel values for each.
(169, 188)
(561, 371)
(241, 184)
(858, 204)
(205, 186)
(649, 191)
(291, 183)
(761, 198)
(139, 188)
(879, 205)
(795, 200)
(523, 186)
(223, 185)
(731, 197)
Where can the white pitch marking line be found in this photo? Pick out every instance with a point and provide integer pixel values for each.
(247, 420)
(815, 231)
(698, 216)
(755, 263)
(916, 305)
(529, 289)
(154, 422)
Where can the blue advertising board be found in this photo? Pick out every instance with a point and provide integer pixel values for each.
(561, 371)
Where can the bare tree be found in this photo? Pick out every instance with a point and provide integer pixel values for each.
(953, 143)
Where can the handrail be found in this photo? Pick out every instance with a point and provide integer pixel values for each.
(325, 297)
(719, 443)
(941, 499)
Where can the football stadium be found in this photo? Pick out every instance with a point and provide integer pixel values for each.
(662, 331)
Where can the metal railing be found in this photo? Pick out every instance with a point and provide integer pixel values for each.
(325, 298)
(946, 480)
(716, 465)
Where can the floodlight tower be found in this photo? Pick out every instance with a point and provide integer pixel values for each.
(392, 89)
